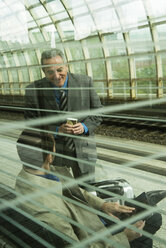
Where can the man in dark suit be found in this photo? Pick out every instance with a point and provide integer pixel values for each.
(66, 92)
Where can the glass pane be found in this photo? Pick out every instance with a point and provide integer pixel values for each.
(106, 20)
(67, 29)
(13, 22)
(164, 65)
(98, 68)
(14, 73)
(120, 68)
(10, 59)
(78, 11)
(79, 68)
(114, 44)
(132, 14)
(161, 30)
(73, 3)
(2, 62)
(28, 16)
(16, 87)
(164, 85)
(100, 87)
(94, 47)
(84, 26)
(25, 75)
(51, 33)
(6, 88)
(30, 3)
(76, 51)
(98, 4)
(39, 12)
(145, 67)
(157, 9)
(21, 58)
(33, 57)
(60, 16)
(3, 46)
(44, 21)
(146, 88)
(120, 89)
(32, 24)
(54, 6)
(5, 76)
(36, 36)
(36, 73)
(141, 41)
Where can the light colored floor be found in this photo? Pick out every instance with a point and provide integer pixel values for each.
(140, 180)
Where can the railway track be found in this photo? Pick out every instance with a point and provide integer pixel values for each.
(150, 123)
(141, 128)
(119, 153)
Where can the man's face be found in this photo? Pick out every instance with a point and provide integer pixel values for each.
(55, 73)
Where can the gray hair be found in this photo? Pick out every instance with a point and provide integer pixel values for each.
(52, 53)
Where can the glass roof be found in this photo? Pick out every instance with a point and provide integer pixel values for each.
(104, 31)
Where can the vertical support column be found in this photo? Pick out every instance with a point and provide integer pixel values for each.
(131, 67)
(108, 71)
(1, 84)
(87, 56)
(154, 35)
(15, 57)
(9, 74)
(159, 70)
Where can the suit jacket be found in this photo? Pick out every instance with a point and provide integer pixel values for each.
(50, 202)
(81, 97)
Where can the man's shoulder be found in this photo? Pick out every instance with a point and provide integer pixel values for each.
(37, 83)
(80, 77)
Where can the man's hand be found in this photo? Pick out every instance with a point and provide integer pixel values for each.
(112, 207)
(78, 128)
(66, 128)
(71, 129)
(131, 234)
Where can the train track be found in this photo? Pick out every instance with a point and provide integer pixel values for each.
(120, 153)
(137, 121)
(141, 128)
(150, 123)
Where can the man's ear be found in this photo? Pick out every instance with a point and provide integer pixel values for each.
(67, 68)
(49, 158)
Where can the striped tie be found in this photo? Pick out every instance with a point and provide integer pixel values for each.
(63, 101)
(69, 144)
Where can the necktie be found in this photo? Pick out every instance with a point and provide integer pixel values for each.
(69, 144)
(63, 101)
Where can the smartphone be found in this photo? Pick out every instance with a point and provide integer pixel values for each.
(72, 121)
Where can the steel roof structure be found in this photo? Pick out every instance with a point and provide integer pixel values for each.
(121, 44)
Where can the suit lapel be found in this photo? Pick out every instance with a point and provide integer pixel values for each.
(73, 94)
(49, 96)
(74, 191)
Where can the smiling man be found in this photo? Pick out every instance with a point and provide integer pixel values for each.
(58, 93)
(56, 73)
